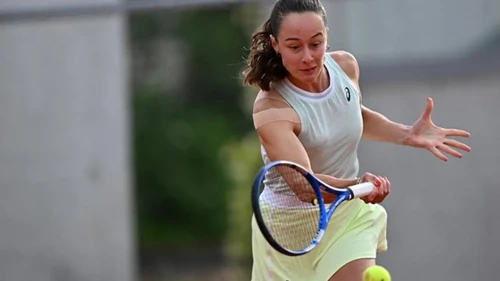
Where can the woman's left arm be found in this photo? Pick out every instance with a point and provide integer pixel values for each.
(422, 134)
(377, 127)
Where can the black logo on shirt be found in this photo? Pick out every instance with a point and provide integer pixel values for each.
(347, 94)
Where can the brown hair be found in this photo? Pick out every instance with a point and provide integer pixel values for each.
(264, 65)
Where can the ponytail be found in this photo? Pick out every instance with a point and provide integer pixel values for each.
(264, 65)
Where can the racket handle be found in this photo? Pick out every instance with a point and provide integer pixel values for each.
(360, 190)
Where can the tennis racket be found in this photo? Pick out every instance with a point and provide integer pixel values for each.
(290, 225)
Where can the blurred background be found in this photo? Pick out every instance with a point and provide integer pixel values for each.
(127, 149)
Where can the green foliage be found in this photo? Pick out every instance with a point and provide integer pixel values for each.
(181, 185)
(178, 178)
(214, 45)
(244, 159)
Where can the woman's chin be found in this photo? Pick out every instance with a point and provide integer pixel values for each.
(307, 77)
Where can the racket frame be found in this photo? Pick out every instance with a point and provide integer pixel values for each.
(343, 194)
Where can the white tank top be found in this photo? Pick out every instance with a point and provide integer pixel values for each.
(331, 128)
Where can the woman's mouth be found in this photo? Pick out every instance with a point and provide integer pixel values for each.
(308, 70)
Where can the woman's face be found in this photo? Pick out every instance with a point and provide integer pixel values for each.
(302, 45)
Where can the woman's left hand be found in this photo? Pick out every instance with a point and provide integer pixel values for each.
(425, 134)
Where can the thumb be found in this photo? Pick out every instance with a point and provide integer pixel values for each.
(367, 177)
(428, 109)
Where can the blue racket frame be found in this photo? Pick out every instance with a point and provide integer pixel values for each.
(325, 215)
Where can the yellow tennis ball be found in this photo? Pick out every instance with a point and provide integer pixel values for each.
(376, 273)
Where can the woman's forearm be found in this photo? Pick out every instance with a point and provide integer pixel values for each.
(377, 127)
(335, 182)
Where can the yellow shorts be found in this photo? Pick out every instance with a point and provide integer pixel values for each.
(356, 230)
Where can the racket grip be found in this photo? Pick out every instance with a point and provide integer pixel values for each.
(362, 189)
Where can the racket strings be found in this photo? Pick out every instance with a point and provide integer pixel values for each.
(293, 227)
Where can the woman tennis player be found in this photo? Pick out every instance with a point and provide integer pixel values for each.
(309, 111)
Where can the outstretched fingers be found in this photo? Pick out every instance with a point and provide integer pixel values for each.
(456, 133)
(457, 144)
(450, 151)
(438, 153)
(447, 147)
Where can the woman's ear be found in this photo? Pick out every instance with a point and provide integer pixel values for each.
(274, 43)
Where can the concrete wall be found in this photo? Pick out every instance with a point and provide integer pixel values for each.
(443, 221)
(395, 29)
(65, 211)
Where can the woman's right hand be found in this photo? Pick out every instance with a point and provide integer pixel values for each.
(381, 190)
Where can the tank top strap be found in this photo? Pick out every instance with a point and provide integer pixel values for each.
(332, 65)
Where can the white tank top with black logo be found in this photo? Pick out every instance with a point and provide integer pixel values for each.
(331, 128)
